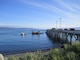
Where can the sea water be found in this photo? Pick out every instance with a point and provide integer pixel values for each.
(12, 42)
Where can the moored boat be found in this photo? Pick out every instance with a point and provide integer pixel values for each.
(36, 33)
(23, 34)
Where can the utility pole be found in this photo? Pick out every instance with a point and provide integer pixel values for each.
(56, 24)
(60, 23)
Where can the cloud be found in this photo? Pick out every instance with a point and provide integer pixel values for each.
(72, 8)
(63, 4)
(52, 7)
(70, 12)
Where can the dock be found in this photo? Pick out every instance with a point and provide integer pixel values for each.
(65, 35)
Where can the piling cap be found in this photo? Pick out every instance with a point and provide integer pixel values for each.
(1, 57)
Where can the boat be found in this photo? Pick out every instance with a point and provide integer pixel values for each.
(23, 34)
(36, 33)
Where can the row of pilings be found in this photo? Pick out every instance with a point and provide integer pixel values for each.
(62, 36)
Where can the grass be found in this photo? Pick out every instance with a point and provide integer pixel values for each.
(69, 52)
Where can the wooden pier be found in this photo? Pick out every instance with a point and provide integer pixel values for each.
(65, 35)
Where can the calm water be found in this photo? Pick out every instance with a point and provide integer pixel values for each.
(12, 42)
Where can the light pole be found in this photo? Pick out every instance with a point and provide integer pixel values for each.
(60, 23)
(56, 24)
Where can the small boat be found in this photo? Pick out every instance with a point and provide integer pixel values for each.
(23, 34)
(36, 33)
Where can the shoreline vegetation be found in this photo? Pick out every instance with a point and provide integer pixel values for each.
(68, 52)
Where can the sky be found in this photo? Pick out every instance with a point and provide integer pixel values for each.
(40, 13)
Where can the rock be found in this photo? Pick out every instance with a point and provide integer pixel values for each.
(1, 57)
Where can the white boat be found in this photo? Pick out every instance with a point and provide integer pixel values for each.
(23, 34)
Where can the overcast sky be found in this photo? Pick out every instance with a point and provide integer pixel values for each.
(40, 13)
